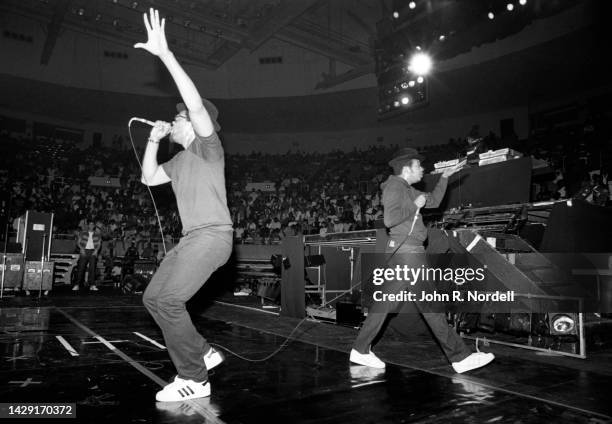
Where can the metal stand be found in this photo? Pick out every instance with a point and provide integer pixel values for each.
(6, 227)
(42, 266)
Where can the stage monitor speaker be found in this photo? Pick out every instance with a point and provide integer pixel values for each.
(33, 275)
(13, 273)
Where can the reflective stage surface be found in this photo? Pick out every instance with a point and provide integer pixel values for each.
(104, 354)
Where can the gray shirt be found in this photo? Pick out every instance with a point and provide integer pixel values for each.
(198, 182)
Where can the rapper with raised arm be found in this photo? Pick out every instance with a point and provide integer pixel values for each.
(197, 177)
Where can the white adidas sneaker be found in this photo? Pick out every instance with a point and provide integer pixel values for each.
(367, 359)
(212, 358)
(181, 389)
(475, 360)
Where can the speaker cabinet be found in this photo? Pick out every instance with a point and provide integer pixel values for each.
(34, 273)
(13, 273)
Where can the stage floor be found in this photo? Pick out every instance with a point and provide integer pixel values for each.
(103, 353)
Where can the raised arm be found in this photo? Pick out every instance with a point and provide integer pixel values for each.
(158, 46)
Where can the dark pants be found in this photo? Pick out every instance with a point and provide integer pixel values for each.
(87, 261)
(181, 274)
(452, 344)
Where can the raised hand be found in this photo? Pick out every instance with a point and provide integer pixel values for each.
(156, 43)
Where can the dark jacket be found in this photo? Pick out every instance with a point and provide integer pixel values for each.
(399, 209)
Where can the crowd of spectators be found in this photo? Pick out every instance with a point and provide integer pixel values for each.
(270, 196)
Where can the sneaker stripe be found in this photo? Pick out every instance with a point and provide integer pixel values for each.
(181, 392)
(190, 389)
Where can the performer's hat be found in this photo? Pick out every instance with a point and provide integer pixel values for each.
(402, 157)
(210, 108)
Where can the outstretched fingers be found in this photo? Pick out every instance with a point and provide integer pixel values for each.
(156, 19)
(146, 22)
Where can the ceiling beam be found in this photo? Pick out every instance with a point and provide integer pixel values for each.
(225, 51)
(112, 35)
(280, 17)
(329, 80)
(53, 30)
(324, 45)
(362, 24)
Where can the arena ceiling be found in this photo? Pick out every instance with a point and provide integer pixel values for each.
(210, 32)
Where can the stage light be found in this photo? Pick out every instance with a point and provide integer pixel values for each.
(81, 11)
(98, 17)
(420, 80)
(418, 48)
(396, 14)
(442, 37)
(405, 100)
(396, 103)
(510, 7)
(411, 83)
(412, 5)
(563, 324)
(420, 64)
(404, 85)
(522, 2)
(134, 4)
(491, 15)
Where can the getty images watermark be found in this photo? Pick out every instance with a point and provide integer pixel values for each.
(420, 277)
(485, 283)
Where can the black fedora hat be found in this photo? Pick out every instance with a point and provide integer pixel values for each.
(403, 156)
(210, 108)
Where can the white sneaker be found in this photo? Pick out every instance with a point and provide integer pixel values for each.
(75, 287)
(93, 288)
(181, 389)
(475, 360)
(367, 359)
(212, 358)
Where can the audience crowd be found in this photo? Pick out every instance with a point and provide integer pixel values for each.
(270, 196)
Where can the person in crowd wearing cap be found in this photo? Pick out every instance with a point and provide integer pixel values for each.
(407, 233)
(198, 182)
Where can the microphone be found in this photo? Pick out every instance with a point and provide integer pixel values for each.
(144, 121)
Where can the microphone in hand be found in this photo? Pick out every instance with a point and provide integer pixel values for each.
(160, 130)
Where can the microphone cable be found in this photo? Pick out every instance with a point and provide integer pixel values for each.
(161, 230)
